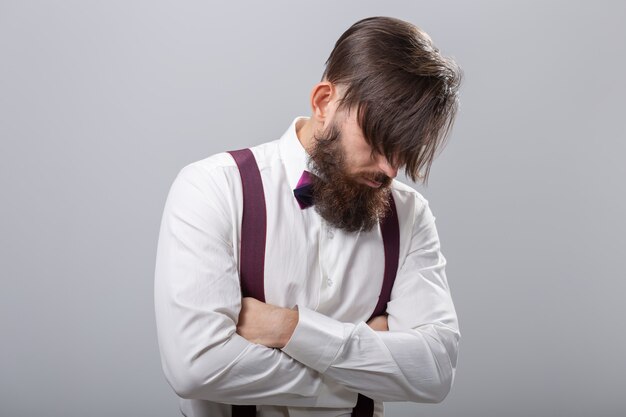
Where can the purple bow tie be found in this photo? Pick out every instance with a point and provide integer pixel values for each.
(304, 190)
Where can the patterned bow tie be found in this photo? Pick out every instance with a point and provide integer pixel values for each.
(304, 190)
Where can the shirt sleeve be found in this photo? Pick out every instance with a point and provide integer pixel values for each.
(416, 359)
(197, 303)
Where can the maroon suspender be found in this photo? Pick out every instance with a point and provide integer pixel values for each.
(253, 233)
(253, 226)
(252, 256)
(390, 229)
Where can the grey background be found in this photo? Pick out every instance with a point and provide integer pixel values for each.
(101, 103)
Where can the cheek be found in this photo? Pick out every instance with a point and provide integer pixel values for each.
(359, 156)
(361, 170)
(364, 163)
(356, 151)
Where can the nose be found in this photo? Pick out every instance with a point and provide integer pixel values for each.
(389, 170)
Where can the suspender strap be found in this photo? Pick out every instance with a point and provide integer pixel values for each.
(390, 229)
(253, 226)
(253, 233)
(243, 410)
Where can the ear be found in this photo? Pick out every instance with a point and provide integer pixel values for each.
(324, 97)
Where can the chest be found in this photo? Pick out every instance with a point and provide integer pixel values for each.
(308, 262)
(300, 259)
(311, 263)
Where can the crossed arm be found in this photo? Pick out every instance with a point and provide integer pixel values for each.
(215, 345)
(273, 326)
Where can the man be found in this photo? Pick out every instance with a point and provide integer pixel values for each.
(387, 100)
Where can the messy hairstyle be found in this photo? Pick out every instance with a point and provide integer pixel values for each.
(404, 91)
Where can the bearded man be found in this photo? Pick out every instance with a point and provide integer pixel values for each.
(320, 338)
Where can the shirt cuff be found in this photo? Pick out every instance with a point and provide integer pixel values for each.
(316, 340)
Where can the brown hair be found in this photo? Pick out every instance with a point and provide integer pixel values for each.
(405, 92)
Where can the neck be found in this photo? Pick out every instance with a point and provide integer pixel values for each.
(304, 132)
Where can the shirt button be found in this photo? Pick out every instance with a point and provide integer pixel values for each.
(329, 282)
(330, 234)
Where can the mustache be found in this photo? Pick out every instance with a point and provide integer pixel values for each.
(381, 178)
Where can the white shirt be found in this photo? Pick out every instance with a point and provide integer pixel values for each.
(333, 277)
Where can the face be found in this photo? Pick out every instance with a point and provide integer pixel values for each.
(366, 166)
(352, 191)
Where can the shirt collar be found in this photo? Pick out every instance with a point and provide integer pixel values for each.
(295, 158)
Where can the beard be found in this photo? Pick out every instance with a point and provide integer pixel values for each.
(339, 199)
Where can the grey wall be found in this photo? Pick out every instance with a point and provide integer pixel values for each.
(101, 103)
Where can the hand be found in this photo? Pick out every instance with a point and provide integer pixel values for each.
(266, 324)
(379, 323)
